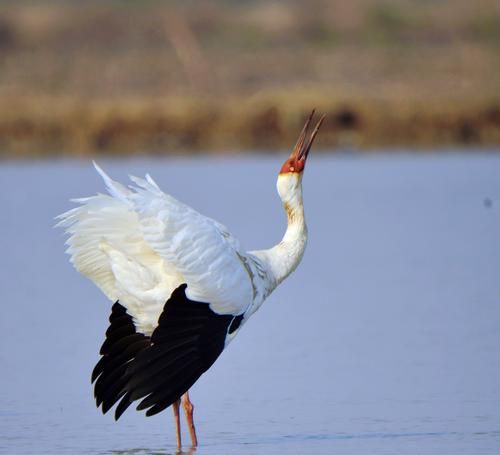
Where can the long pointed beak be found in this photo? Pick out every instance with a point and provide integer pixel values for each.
(302, 147)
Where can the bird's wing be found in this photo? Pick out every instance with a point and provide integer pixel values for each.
(157, 370)
(137, 245)
(106, 245)
(199, 249)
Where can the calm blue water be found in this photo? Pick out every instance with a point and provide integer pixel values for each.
(385, 341)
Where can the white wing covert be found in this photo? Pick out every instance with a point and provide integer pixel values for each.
(139, 244)
(200, 249)
(106, 246)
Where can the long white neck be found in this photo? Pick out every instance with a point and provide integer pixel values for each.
(283, 258)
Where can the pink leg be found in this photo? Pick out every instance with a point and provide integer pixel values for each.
(175, 408)
(188, 410)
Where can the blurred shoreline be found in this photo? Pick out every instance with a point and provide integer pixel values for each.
(118, 78)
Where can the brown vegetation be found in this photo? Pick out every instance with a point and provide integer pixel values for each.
(115, 77)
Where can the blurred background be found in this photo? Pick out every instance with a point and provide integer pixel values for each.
(127, 77)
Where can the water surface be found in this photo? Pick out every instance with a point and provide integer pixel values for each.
(385, 341)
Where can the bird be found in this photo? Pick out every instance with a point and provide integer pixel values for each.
(181, 287)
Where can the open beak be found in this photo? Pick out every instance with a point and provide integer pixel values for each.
(302, 147)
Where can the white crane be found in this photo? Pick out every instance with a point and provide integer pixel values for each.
(182, 286)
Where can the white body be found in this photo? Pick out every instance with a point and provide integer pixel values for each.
(139, 244)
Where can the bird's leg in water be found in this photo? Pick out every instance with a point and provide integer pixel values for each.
(175, 408)
(188, 409)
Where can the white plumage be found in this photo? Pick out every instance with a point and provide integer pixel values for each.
(182, 286)
(140, 244)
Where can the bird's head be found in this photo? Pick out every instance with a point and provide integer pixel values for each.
(290, 176)
(296, 162)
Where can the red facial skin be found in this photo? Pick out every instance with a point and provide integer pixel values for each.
(293, 164)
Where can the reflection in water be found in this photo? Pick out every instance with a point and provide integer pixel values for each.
(139, 452)
(190, 451)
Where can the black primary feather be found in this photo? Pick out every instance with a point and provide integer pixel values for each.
(159, 369)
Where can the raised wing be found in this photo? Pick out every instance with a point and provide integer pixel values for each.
(106, 245)
(138, 245)
(200, 249)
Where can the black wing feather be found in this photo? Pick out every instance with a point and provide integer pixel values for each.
(159, 369)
